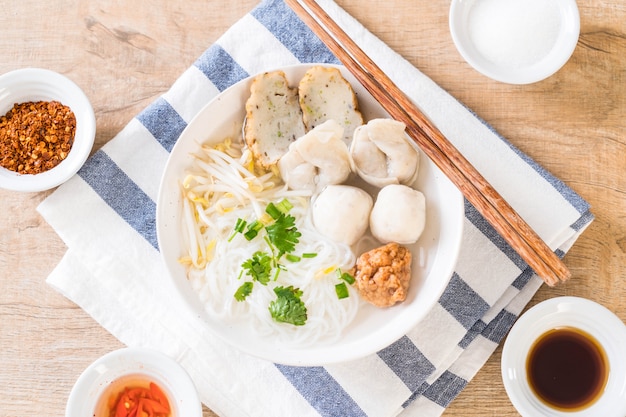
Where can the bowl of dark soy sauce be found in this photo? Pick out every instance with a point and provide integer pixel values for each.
(566, 357)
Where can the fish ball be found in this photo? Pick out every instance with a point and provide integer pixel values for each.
(399, 214)
(341, 213)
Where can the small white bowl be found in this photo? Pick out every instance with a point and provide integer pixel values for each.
(588, 316)
(129, 363)
(515, 41)
(34, 84)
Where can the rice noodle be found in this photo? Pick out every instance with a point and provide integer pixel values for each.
(218, 190)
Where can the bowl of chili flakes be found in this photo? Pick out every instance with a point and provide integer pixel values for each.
(47, 129)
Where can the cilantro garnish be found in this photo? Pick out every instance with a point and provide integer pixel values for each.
(283, 234)
(288, 307)
(243, 291)
(259, 267)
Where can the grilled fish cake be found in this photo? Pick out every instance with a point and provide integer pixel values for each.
(273, 118)
(325, 94)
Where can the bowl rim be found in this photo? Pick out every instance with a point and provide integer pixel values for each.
(549, 65)
(314, 356)
(566, 311)
(38, 84)
(94, 380)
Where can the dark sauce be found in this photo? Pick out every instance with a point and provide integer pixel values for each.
(567, 369)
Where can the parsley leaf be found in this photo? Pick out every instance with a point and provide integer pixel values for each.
(243, 291)
(283, 234)
(288, 307)
(259, 267)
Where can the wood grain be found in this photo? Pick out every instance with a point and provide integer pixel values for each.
(125, 55)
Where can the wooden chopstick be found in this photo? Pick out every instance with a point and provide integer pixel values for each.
(513, 229)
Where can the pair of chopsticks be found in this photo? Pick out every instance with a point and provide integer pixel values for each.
(517, 233)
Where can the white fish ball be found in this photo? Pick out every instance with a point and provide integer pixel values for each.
(342, 212)
(398, 215)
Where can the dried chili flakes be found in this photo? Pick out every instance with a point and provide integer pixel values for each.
(36, 136)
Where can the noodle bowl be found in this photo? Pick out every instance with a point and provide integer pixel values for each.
(328, 336)
(219, 190)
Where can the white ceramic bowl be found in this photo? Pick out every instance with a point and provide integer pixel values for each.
(373, 328)
(131, 363)
(580, 313)
(34, 84)
(515, 41)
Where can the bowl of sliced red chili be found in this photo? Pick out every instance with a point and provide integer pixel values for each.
(134, 382)
(47, 129)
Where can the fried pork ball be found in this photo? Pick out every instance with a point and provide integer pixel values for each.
(383, 275)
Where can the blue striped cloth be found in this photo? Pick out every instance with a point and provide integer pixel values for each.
(112, 269)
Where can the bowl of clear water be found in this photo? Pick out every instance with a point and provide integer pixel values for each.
(515, 41)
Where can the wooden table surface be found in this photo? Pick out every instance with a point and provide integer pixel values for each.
(125, 54)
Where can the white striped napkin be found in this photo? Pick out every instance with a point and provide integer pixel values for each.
(113, 270)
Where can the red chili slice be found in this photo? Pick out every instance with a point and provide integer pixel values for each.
(142, 402)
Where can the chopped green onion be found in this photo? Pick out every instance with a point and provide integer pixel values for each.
(253, 229)
(292, 258)
(255, 225)
(251, 234)
(344, 276)
(273, 211)
(342, 290)
(239, 227)
(348, 278)
(309, 255)
(284, 206)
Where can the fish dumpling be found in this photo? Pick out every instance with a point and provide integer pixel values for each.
(398, 215)
(317, 159)
(382, 155)
(341, 213)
